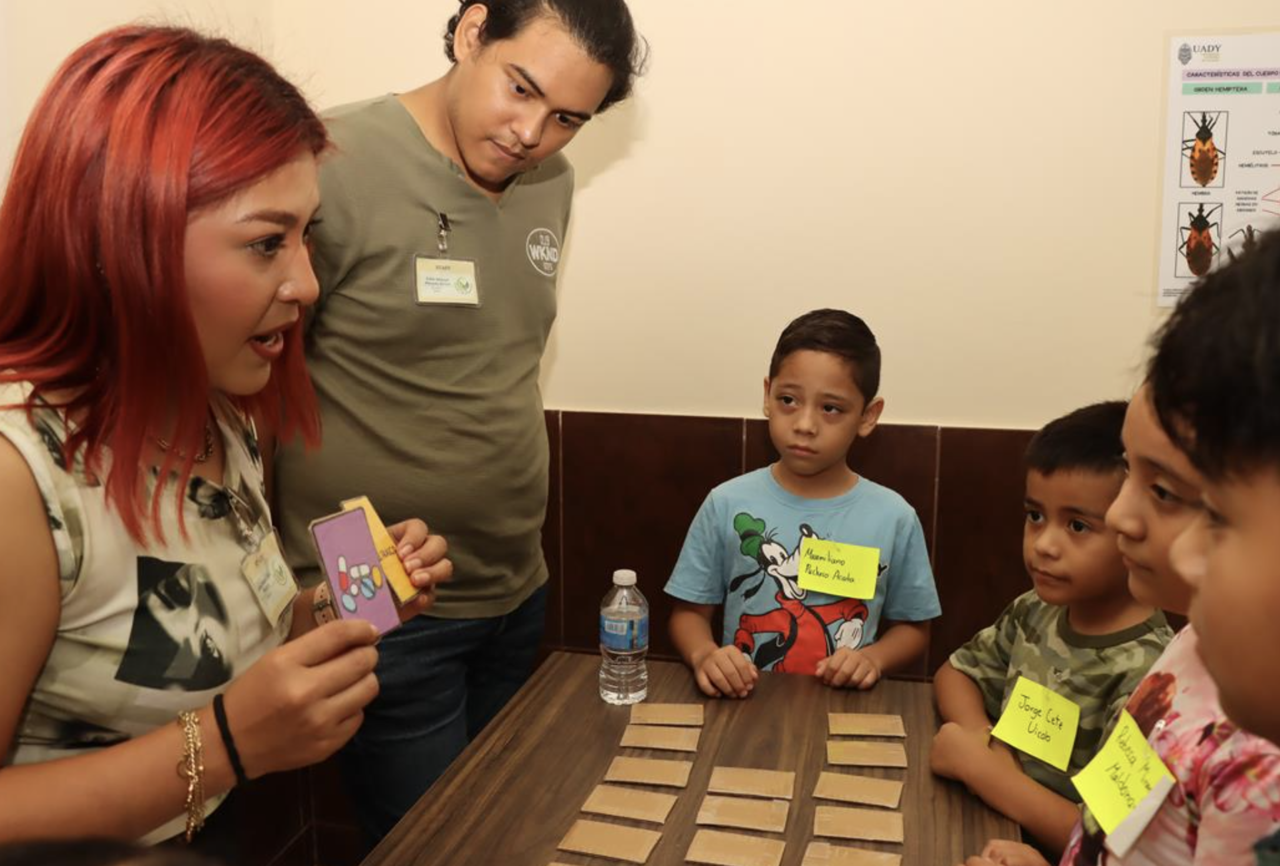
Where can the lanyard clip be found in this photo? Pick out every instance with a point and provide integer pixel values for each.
(442, 238)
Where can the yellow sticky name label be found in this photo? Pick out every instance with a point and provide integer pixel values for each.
(1123, 773)
(846, 570)
(1039, 722)
(392, 567)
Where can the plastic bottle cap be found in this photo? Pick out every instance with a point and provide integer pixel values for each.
(624, 577)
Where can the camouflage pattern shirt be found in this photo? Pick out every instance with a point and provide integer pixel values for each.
(1098, 672)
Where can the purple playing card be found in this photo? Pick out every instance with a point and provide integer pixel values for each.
(354, 570)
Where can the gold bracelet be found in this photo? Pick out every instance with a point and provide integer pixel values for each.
(191, 768)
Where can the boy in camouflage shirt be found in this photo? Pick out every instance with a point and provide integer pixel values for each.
(1079, 632)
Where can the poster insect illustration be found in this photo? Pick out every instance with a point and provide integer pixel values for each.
(1248, 243)
(1202, 150)
(1199, 239)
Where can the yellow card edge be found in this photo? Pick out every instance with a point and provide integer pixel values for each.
(370, 516)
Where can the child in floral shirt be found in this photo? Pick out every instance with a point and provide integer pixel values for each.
(1215, 383)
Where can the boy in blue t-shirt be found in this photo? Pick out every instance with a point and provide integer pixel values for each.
(743, 549)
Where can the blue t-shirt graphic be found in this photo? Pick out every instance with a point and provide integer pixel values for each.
(743, 551)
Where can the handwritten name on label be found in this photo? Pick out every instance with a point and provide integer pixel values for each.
(1039, 722)
(846, 570)
(1123, 774)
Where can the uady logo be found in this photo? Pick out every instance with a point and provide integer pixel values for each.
(1207, 52)
(543, 248)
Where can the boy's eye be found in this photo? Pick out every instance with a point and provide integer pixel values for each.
(1164, 494)
(787, 400)
(1078, 526)
(519, 89)
(1034, 516)
(568, 122)
(832, 410)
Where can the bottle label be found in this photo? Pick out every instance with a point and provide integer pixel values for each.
(624, 635)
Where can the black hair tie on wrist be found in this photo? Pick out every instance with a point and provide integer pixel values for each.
(220, 714)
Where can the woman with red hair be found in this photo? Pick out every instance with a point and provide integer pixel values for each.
(153, 246)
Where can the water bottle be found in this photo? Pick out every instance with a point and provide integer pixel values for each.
(624, 641)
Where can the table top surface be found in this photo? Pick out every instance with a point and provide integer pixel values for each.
(518, 788)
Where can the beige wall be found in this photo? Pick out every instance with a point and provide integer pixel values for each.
(36, 35)
(979, 180)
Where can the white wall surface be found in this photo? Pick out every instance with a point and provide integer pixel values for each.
(979, 180)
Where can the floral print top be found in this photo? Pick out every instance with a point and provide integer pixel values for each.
(1226, 794)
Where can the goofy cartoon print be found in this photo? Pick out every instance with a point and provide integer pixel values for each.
(802, 638)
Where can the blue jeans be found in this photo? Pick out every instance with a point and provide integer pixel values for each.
(441, 681)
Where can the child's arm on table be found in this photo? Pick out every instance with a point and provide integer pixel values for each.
(897, 646)
(992, 772)
(959, 699)
(717, 670)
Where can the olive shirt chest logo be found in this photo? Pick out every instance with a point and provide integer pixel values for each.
(543, 248)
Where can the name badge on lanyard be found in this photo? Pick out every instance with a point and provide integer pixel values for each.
(443, 279)
(270, 578)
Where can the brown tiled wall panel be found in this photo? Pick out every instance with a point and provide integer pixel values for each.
(977, 553)
(632, 484)
(554, 634)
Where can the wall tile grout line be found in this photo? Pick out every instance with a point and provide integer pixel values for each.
(560, 557)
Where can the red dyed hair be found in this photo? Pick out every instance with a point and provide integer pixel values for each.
(139, 129)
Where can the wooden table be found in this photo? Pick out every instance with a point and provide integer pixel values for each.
(516, 790)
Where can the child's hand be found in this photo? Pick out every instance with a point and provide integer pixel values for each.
(726, 671)
(848, 668)
(423, 556)
(957, 752)
(1002, 852)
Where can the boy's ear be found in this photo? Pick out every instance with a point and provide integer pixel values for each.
(870, 417)
(466, 36)
(766, 396)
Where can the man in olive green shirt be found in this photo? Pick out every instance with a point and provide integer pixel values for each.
(443, 214)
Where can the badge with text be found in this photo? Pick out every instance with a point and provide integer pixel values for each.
(846, 570)
(1039, 722)
(1125, 783)
(451, 282)
(270, 579)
